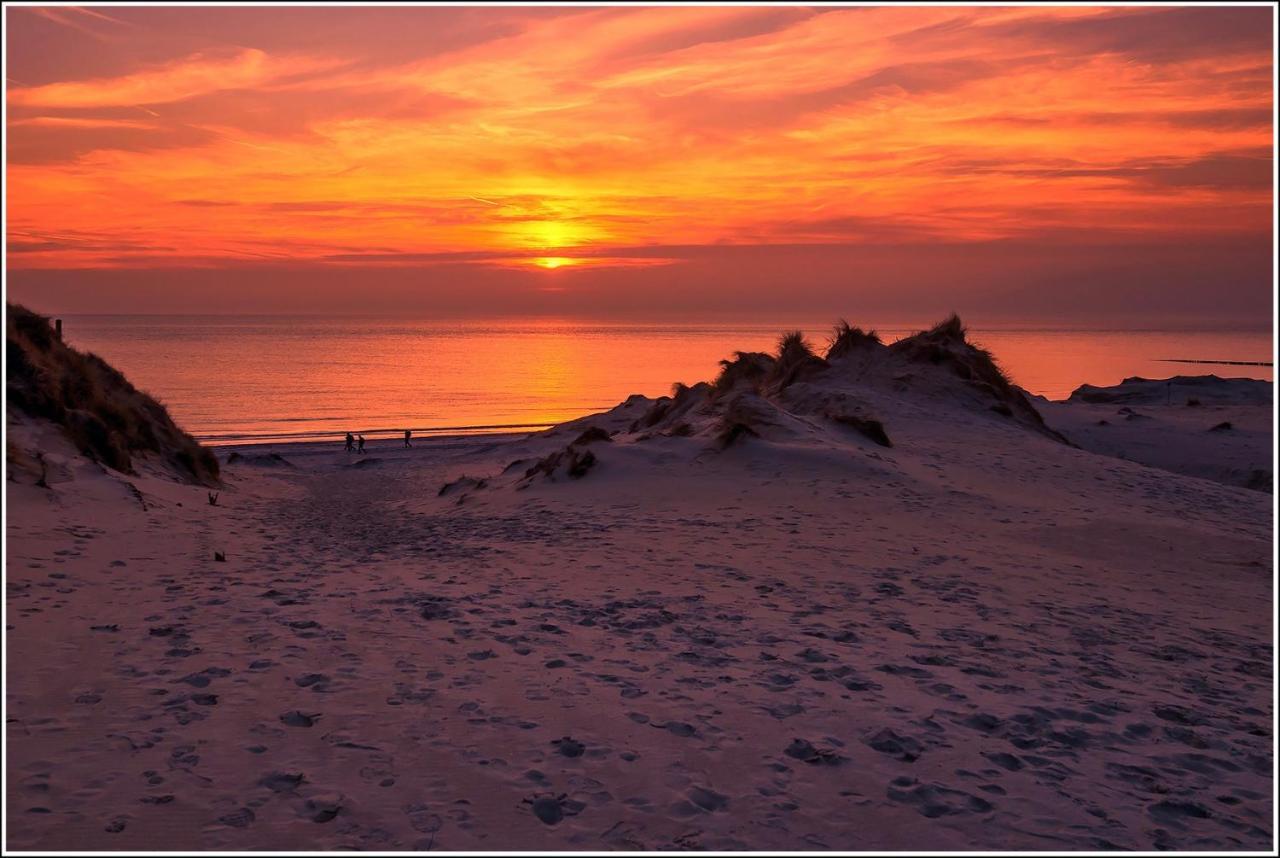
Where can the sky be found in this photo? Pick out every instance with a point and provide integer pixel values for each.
(1089, 164)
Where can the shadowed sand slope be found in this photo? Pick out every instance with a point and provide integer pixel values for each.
(647, 630)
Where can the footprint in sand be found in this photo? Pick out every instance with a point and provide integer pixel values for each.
(321, 809)
(421, 819)
(315, 681)
(699, 800)
(299, 719)
(552, 809)
(806, 752)
(904, 748)
(934, 800)
(241, 818)
(281, 781)
(569, 747)
(1176, 813)
(677, 728)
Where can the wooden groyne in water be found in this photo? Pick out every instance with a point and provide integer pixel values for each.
(1223, 362)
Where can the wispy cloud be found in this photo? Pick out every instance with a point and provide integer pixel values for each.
(91, 22)
(78, 122)
(174, 81)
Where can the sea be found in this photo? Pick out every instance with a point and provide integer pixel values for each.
(238, 379)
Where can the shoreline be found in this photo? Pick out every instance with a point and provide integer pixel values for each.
(377, 435)
(392, 445)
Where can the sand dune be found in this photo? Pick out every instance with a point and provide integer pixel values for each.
(1215, 428)
(979, 636)
(104, 416)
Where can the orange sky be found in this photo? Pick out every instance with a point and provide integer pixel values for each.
(624, 140)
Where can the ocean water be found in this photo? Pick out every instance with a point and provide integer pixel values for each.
(237, 378)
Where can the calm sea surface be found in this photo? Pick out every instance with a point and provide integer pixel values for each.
(237, 377)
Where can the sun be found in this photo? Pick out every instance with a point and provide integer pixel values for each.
(553, 262)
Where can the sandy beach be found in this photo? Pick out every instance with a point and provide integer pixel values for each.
(979, 637)
(765, 550)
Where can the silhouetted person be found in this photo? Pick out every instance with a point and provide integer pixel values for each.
(407, 435)
(360, 443)
(351, 442)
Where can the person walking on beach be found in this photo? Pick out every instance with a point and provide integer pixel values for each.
(351, 443)
(407, 435)
(360, 444)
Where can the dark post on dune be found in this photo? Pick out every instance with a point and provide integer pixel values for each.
(57, 328)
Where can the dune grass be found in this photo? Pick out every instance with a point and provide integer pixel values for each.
(846, 339)
(747, 369)
(101, 413)
(947, 343)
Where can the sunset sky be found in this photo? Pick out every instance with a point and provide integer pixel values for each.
(1024, 162)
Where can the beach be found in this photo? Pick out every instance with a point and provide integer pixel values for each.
(979, 637)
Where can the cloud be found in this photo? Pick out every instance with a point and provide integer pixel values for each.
(1158, 35)
(1223, 171)
(1221, 119)
(191, 76)
(599, 132)
(90, 22)
(24, 243)
(58, 140)
(80, 122)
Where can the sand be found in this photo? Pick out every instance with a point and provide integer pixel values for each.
(1217, 429)
(978, 638)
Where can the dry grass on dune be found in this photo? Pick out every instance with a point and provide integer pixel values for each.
(574, 461)
(947, 343)
(846, 339)
(102, 414)
(760, 372)
(747, 369)
(590, 435)
(795, 361)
